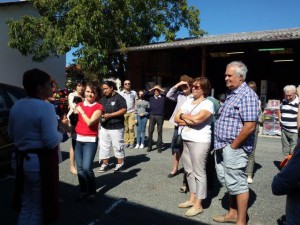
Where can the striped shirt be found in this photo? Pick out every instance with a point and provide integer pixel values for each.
(240, 105)
(289, 112)
(287, 182)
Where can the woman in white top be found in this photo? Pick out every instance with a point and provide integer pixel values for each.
(78, 92)
(195, 118)
(36, 137)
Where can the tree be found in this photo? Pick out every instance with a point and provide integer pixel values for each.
(97, 28)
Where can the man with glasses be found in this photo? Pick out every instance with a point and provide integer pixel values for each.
(129, 120)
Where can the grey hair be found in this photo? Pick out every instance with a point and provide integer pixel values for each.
(240, 68)
(288, 88)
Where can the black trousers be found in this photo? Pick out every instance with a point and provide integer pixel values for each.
(153, 120)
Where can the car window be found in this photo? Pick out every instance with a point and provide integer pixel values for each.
(12, 96)
(15, 93)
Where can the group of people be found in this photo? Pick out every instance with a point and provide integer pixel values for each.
(226, 131)
(105, 120)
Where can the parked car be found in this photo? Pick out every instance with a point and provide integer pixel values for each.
(8, 96)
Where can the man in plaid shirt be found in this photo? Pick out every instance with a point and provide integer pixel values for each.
(234, 140)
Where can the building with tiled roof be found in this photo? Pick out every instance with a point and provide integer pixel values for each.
(272, 57)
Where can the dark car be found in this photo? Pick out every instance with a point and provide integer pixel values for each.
(8, 96)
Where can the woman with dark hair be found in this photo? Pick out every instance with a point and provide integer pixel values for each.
(36, 139)
(111, 132)
(74, 98)
(90, 112)
(194, 118)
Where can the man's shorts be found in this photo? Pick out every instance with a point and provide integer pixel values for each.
(231, 167)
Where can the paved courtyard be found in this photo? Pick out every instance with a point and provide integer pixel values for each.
(142, 193)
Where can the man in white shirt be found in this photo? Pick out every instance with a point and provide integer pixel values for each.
(129, 122)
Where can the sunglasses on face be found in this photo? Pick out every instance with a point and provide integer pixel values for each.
(126, 83)
(196, 87)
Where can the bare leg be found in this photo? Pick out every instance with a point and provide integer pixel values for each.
(192, 198)
(120, 161)
(72, 161)
(242, 203)
(105, 161)
(197, 202)
(238, 208)
(176, 159)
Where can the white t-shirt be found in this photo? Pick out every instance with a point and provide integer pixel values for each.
(200, 132)
(130, 98)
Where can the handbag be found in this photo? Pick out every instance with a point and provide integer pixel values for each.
(178, 142)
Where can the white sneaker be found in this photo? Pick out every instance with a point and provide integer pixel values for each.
(141, 146)
(103, 168)
(137, 146)
(118, 167)
(250, 180)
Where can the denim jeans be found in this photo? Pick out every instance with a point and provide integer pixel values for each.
(31, 211)
(84, 156)
(141, 129)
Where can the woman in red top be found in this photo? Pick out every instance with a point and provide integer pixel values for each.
(90, 112)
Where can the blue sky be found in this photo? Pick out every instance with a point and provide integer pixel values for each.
(231, 16)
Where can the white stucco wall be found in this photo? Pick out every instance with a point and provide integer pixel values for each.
(12, 63)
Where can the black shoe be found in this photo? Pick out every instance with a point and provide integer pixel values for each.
(172, 174)
(82, 197)
(149, 149)
(90, 198)
(159, 150)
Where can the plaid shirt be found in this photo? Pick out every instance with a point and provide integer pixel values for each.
(240, 105)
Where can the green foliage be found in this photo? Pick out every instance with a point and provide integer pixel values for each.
(97, 28)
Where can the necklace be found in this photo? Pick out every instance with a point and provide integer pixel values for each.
(195, 102)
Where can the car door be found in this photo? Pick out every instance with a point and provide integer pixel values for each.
(8, 96)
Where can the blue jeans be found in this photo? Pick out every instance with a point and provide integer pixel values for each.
(141, 129)
(84, 156)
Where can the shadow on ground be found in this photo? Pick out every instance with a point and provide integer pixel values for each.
(103, 211)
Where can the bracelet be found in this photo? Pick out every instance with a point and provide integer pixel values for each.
(180, 116)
